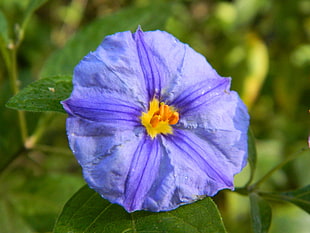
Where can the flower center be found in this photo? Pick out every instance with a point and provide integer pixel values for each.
(159, 118)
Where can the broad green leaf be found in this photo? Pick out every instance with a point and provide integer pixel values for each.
(86, 211)
(62, 62)
(299, 197)
(260, 214)
(252, 154)
(43, 95)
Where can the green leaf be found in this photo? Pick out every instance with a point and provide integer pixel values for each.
(252, 154)
(86, 211)
(299, 197)
(43, 95)
(62, 62)
(260, 214)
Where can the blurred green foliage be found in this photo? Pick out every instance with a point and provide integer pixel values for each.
(262, 44)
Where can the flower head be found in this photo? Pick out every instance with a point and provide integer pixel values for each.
(152, 123)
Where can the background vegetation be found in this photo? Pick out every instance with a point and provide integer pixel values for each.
(262, 44)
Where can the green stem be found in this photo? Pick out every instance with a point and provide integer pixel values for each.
(15, 88)
(5, 54)
(23, 125)
(277, 167)
(45, 119)
(271, 196)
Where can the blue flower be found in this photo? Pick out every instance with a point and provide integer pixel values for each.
(152, 123)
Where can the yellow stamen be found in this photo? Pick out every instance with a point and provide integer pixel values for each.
(174, 118)
(159, 118)
(154, 121)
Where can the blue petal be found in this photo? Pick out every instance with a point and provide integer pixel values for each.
(143, 172)
(125, 174)
(102, 106)
(177, 65)
(113, 86)
(199, 163)
(90, 140)
(193, 166)
(208, 147)
(224, 112)
(199, 95)
(120, 165)
(151, 73)
(114, 67)
(224, 123)
(197, 168)
(108, 173)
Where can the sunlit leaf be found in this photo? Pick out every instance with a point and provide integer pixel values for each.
(257, 62)
(43, 95)
(86, 211)
(63, 61)
(260, 214)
